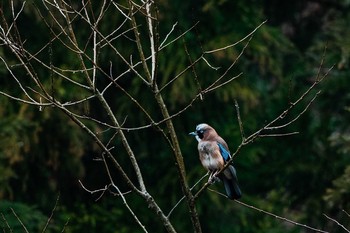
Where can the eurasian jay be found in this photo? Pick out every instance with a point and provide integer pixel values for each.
(214, 154)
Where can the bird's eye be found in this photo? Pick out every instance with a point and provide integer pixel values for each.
(200, 133)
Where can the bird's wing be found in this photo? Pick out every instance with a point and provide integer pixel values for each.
(224, 153)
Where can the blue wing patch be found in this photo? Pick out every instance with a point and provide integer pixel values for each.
(224, 153)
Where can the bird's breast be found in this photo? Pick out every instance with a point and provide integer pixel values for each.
(209, 155)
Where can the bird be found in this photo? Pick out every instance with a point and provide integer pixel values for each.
(214, 154)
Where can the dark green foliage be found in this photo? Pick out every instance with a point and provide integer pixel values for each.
(19, 217)
(43, 153)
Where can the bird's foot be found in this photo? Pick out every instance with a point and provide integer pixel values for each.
(213, 178)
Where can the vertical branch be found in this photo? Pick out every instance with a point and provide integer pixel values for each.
(107, 108)
(151, 38)
(94, 58)
(138, 41)
(173, 136)
(95, 25)
(149, 199)
(180, 165)
(239, 121)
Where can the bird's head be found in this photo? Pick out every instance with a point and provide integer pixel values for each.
(203, 131)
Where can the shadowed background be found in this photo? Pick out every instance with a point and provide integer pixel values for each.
(43, 154)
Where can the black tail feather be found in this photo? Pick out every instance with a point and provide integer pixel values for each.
(229, 178)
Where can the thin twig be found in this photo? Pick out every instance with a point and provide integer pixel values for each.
(346, 213)
(40, 104)
(183, 197)
(178, 37)
(19, 220)
(212, 86)
(297, 117)
(65, 225)
(278, 134)
(6, 222)
(207, 62)
(101, 190)
(180, 74)
(223, 84)
(129, 208)
(280, 218)
(120, 10)
(270, 214)
(167, 35)
(234, 44)
(240, 123)
(338, 223)
(51, 215)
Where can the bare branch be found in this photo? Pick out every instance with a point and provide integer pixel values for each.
(40, 104)
(278, 134)
(6, 222)
(180, 74)
(51, 215)
(206, 61)
(240, 123)
(130, 210)
(281, 218)
(183, 197)
(271, 214)
(178, 37)
(139, 45)
(212, 86)
(167, 35)
(17, 81)
(65, 225)
(19, 220)
(102, 190)
(297, 117)
(339, 224)
(122, 12)
(151, 38)
(236, 43)
(346, 213)
(222, 84)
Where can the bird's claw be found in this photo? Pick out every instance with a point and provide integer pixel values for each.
(213, 178)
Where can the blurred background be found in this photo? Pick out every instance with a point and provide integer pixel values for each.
(43, 154)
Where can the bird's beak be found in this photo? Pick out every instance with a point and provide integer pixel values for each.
(193, 134)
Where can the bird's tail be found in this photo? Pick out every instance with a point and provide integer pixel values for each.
(229, 178)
